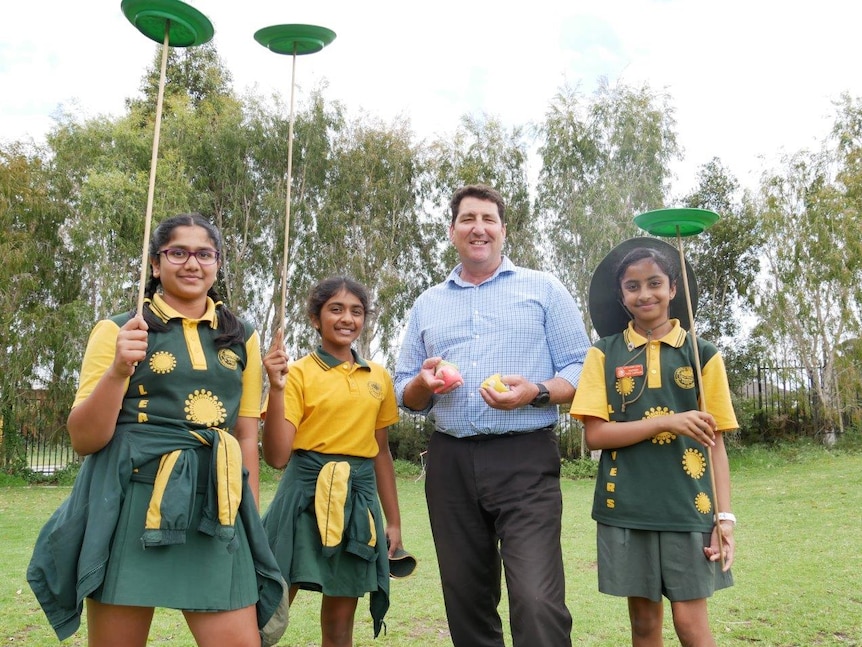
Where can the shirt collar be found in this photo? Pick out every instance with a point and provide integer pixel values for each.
(506, 266)
(327, 361)
(163, 311)
(675, 337)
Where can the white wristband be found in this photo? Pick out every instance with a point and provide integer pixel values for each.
(727, 516)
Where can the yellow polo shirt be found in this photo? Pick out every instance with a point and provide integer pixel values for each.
(337, 406)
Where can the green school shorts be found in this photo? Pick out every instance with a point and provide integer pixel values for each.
(651, 564)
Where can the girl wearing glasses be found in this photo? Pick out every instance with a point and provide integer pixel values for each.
(164, 510)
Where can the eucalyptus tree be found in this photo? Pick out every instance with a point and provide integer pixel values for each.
(605, 159)
(483, 150)
(808, 304)
(847, 137)
(38, 306)
(726, 261)
(102, 168)
(361, 220)
(317, 126)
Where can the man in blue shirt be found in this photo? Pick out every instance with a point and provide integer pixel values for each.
(493, 478)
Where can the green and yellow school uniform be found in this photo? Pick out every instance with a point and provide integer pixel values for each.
(185, 383)
(661, 483)
(336, 407)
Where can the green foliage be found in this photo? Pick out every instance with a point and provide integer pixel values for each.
(406, 469)
(409, 437)
(726, 262)
(604, 160)
(851, 440)
(365, 227)
(579, 468)
(484, 151)
(12, 479)
(269, 474)
(37, 285)
(809, 305)
(776, 602)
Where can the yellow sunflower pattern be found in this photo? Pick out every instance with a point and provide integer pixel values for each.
(625, 385)
(162, 362)
(662, 437)
(205, 408)
(694, 463)
(702, 503)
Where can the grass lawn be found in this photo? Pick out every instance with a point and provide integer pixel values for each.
(798, 570)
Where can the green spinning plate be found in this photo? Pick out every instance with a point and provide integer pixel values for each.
(294, 39)
(664, 222)
(187, 25)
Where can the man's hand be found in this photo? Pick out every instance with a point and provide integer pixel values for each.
(521, 393)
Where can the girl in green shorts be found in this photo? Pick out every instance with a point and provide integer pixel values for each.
(639, 402)
(327, 420)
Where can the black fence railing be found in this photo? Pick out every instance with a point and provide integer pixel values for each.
(782, 402)
(786, 403)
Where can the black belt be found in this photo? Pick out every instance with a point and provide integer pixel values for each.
(506, 434)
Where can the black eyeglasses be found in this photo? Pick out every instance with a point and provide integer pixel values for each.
(178, 255)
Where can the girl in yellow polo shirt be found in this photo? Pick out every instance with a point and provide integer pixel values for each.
(327, 421)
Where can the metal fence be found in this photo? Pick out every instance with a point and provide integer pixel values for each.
(408, 439)
(782, 401)
(47, 456)
(39, 439)
(783, 396)
(785, 404)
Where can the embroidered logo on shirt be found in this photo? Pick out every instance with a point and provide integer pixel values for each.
(162, 362)
(376, 390)
(684, 377)
(228, 358)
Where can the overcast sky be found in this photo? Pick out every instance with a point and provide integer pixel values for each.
(749, 79)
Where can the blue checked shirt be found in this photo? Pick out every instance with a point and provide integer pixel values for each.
(520, 321)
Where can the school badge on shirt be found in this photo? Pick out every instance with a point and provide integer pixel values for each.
(684, 377)
(228, 358)
(376, 390)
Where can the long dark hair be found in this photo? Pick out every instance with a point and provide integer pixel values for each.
(231, 328)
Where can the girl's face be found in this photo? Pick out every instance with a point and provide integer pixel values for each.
(647, 293)
(340, 322)
(185, 285)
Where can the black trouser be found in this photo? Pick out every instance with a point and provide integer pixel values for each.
(493, 500)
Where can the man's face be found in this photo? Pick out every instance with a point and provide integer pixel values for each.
(478, 234)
